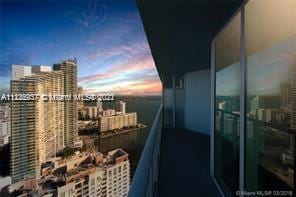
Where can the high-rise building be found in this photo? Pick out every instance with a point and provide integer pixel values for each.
(69, 70)
(100, 106)
(293, 100)
(90, 109)
(285, 94)
(37, 126)
(80, 90)
(265, 101)
(90, 112)
(122, 107)
(118, 121)
(108, 112)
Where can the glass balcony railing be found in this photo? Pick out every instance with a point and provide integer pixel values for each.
(145, 179)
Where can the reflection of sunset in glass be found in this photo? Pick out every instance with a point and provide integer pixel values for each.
(107, 38)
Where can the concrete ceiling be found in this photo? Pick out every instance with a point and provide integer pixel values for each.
(180, 32)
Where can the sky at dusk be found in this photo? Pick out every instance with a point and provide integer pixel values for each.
(106, 37)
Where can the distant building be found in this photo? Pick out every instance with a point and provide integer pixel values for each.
(293, 100)
(230, 126)
(261, 114)
(80, 90)
(100, 106)
(285, 95)
(122, 107)
(69, 70)
(267, 115)
(224, 105)
(4, 132)
(271, 115)
(91, 109)
(264, 101)
(4, 124)
(108, 112)
(90, 112)
(118, 121)
(4, 112)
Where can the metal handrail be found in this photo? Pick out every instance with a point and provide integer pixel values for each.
(147, 169)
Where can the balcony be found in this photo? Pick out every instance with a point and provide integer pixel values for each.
(175, 162)
(184, 168)
(227, 125)
(176, 158)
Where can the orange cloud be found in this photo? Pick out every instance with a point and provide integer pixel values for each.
(138, 64)
(146, 87)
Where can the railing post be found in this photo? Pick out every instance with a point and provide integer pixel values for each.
(243, 88)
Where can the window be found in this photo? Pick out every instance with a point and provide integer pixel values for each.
(92, 181)
(271, 101)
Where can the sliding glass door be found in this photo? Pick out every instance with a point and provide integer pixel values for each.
(271, 95)
(264, 163)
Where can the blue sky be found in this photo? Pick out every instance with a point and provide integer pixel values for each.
(106, 37)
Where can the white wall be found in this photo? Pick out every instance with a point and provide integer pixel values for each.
(198, 101)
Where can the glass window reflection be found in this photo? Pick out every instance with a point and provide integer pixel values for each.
(227, 106)
(271, 95)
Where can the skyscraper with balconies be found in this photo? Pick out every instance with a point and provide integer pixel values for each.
(69, 69)
(37, 126)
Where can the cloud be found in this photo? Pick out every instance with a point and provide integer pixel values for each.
(110, 46)
(138, 75)
(93, 15)
(120, 27)
(133, 65)
(130, 77)
(129, 50)
(144, 87)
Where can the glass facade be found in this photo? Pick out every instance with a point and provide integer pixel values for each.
(227, 71)
(270, 100)
(269, 104)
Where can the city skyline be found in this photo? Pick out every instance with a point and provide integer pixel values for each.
(107, 38)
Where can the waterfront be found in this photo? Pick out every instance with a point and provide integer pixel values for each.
(134, 141)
